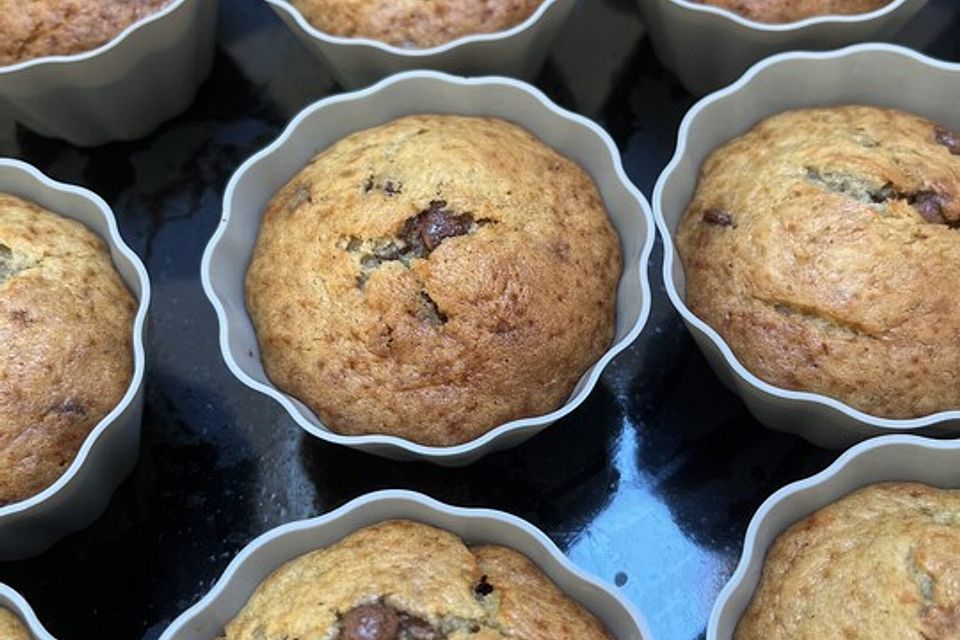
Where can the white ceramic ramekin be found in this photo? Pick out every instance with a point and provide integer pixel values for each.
(206, 619)
(873, 74)
(355, 62)
(15, 603)
(708, 47)
(254, 184)
(121, 90)
(885, 459)
(110, 452)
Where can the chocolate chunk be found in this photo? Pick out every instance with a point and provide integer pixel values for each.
(393, 188)
(929, 204)
(368, 185)
(69, 408)
(424, 232)
(20, 317)
(949, 139)
(483, 588)
(718, 217)
(370, 622)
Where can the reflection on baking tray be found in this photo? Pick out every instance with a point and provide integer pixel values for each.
(521, 481)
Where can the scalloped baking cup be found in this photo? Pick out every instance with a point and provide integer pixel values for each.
(15, 603)
(121, 90)
(875, 74)
(110, 451)
(317, 127)
(709, 47)
(207, 619)
(885, 459)
(519, 51)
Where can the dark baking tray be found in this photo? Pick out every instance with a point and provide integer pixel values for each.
(650, 484)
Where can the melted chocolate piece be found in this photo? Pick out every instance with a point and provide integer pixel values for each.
(424, 232)
(929, 204)
(69, 408)
(949, 139)
(483, 588)
(381, 622)
(718, 217)
(370, 622)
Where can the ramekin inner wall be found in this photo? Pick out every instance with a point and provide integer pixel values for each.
(319, 128)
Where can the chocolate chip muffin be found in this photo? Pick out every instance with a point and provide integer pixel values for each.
(402, 580)
(66, 359)
(782, 11)
(881, 563)
(11, 627)
(433, 278)
(823, 246)
(414, 23)
(36, 28)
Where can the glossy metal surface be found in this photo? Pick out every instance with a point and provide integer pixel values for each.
(650, 484)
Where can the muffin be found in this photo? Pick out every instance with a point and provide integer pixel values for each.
(432, 278)
(11, 627)
(66, 360)
(823, 247)
(414, 23)
(402, 580)
(881, 563)
(61, 27)
(782, 11)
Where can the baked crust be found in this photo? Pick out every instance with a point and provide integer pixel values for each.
(822, 246)
(783, 11)
(436, 340)
(11, 627)
(33, 29)
(66, 324)
(881, 563)
(414, 23)
(424, 573)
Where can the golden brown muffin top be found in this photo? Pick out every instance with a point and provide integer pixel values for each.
(36, 28)
(823, 246)
(11, 627)
(878, 564)
(66, 324)
(414, 23)
(433, 278)
(402, 580)
(783, 11)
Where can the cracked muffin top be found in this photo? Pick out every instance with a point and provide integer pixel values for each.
(878, 564)
(433, 278)
(823, 246)
(66, 350)
(11, 627)
(784, 11)
(402, 580)
(414, 23)
(33, 29)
